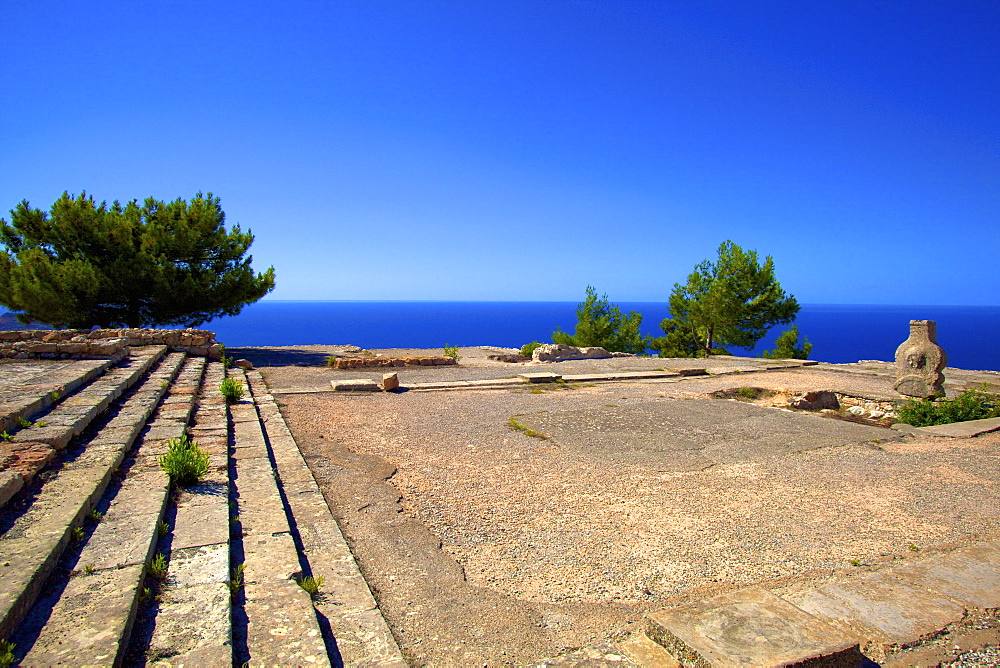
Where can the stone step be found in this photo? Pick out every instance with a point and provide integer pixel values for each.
(646, 652)
(361, 633)
(192, 625)
(32, 448)
(38, 384)
(36, 536)
(91, 621)
(750, 627)
(282, 626)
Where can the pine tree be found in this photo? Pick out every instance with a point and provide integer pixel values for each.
(786, 347)
(83, 264)
(601, 323)
(731, 302)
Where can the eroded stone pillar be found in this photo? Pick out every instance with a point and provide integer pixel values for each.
(919, 362)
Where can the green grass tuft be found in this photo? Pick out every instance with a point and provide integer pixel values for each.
(311, 584)
(232, 390)
(184, 462)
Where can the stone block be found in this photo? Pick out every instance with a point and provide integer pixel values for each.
(881, 608)
(390, 381)
(355, 385)
(540, 377)
(751, 627)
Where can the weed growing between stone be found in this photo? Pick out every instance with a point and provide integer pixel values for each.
(232, 390)
(77, 533)
(977, 404)
(311, 584)
(236, 582)
(184, 462)
(157, 567)
(89, 569)
(451, 351)
(95, 515)
(6, 653)
(514, 424)
(162, 529)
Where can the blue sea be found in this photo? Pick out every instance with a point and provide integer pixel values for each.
(839, 333)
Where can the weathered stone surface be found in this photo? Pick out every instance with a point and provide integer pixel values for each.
(557, 352)
(243, 364)
(354, 385)
(920, 361)
(10, 484)
(814, 401)
(643, 651)
(751, 627)
(970, 578)
(540, 377)
(880, 607)
(966, 429)
(390, 381)
(88, 625)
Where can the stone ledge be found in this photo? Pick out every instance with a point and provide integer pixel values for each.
(103, 343)
(364, 362)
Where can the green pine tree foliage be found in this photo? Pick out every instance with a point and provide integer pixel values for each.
(787, 346)
(139, 265)
(731, 302)
(601, 323)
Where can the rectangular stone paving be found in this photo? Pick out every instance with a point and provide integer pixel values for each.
(966, 577)
(694, 434)
(751, 627)
(881, 607)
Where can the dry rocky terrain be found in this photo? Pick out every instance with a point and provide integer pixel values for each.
(487, 546)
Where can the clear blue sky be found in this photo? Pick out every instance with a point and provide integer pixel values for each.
(512, 150)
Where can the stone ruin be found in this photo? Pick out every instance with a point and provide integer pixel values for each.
(920, 361)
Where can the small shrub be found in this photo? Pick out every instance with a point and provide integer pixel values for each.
(331, 360)
(95, 515)
(232, 390)
(157, 567)
(7, 657)
(529, 348)
(311, 584)
(25, 424)
(236, 582)
(77, 533)
(451, 351)
(184, 462)
(89, 569)
(974, 404)
(54, 395)
(4, 436)
(162, 529)
(748, 392)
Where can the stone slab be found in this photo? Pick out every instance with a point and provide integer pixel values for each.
(197, 524)
(540, 377)
(281, 626)
(691, 435)
(620, 375)
(963, 576)
(10, 484)
(644, 651)
(208, 564)
(751, 627)
(966, 429)
(881, 608)
(121, 541)
(90, 623)
(355, 385)
(192, 627)
(692, 371)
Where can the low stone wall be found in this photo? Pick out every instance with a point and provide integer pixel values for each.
(363, 362)
(103, 343)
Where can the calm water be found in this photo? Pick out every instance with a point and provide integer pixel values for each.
(839, 333)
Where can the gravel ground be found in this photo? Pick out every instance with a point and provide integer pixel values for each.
(486, 545)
